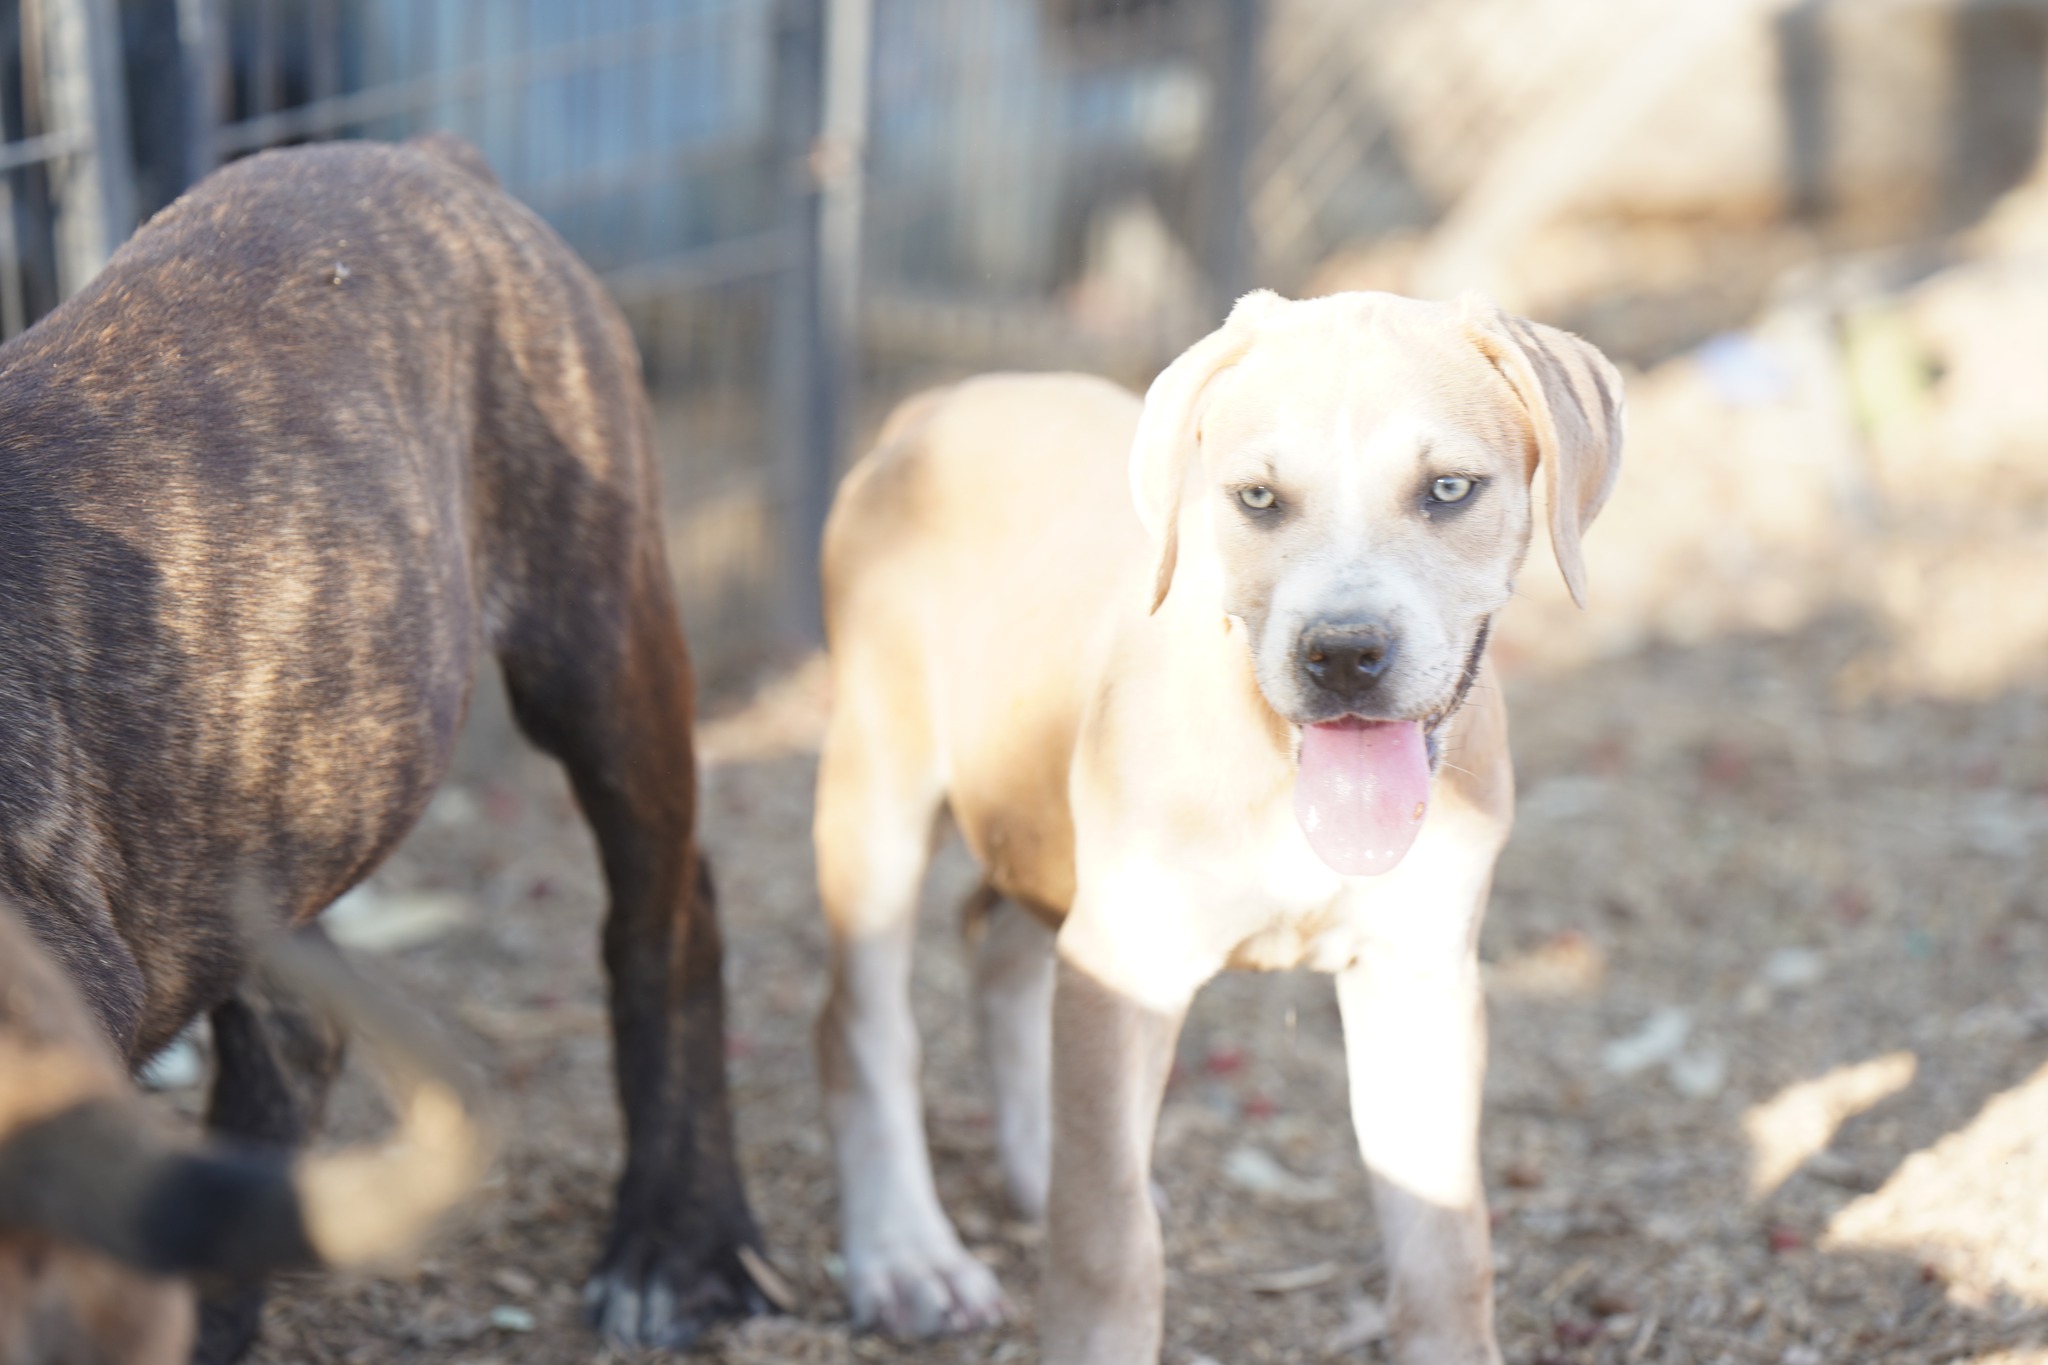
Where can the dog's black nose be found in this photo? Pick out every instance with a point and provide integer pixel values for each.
(1346, 661)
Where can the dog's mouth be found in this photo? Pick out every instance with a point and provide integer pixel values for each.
(1361, 791)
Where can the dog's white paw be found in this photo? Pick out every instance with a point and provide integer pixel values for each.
(933, 1288)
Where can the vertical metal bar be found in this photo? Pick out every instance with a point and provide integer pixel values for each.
(323, 42)
(83, 95)
(849, 39)
(476, 30)
(33, 83)
(1805, 84)
(585, 114)
(804, 398)
(522, 103)
(973, 141)
(1230, 257)
(203, 50)
(13, 307)
(640, 140)
(419, 62)
(446, 56)
(37, 220)
(266, 77)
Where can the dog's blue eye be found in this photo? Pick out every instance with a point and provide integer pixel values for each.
(1451, 488)
(1258, 497)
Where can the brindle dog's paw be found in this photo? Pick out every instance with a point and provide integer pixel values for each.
(228, 1323)
(653, 1292)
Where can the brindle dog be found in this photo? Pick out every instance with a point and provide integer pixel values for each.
(329, 428)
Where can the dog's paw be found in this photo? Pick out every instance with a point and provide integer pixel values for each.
(923, 1292)
(652, 1292)
(228, 1323)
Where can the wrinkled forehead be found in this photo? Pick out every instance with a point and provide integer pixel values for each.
(1354, 366)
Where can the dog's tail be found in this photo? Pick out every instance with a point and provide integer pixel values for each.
(96, 1174)
(456, 151)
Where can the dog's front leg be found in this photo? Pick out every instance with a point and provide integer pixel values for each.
(1415, 1040)
(1122, 991)
(276, 1055)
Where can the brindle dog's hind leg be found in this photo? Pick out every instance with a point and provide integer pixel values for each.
(609, 694)
(275, 1059)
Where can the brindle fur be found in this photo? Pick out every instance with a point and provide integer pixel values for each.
(328, 429)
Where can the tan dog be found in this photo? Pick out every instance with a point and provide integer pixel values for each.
(1251, 726)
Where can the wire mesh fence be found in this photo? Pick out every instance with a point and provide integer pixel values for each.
(806, 208)
(809, 208)
(646, 133)
(65, 181)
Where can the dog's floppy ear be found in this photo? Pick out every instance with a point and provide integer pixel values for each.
(1166, 438)
(1573, 396)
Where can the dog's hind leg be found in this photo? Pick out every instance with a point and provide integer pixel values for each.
(600, 678)
(275, 1059)
(1013, 978)
(878, 796)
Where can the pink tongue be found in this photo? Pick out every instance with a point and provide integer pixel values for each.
(1362, 792)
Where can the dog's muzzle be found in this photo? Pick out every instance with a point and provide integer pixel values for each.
(1345, 662)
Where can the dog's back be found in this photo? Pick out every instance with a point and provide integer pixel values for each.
(319, 430)
(975, 557)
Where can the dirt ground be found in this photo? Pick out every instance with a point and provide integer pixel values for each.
(1769, 1025)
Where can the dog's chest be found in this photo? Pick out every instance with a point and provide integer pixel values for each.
(1293, 911)
(1321, 945)
(1298, 913)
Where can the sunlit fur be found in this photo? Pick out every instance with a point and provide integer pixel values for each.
(1353, 537)
(1106, 697)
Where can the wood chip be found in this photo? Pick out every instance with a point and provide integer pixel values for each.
(768, 1280)
(1291, 1281)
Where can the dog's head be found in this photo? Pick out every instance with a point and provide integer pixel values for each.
(1365, 462)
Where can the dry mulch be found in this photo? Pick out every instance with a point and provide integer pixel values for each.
(1731, 876)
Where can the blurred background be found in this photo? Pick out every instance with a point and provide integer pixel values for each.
(1768, 957)
(1810, 226)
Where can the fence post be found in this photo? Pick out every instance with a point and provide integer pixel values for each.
(1231, 266)
(803, 395)
(83, 100)
(849, 30)
(202, 49)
